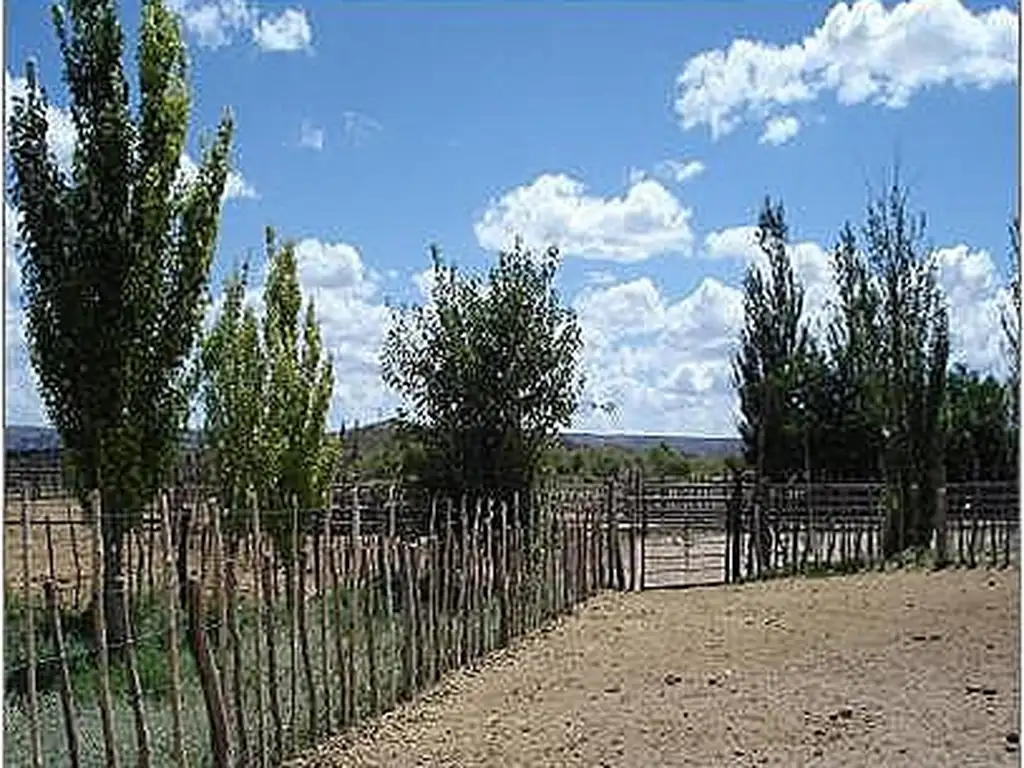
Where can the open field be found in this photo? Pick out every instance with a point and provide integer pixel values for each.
(899, 669)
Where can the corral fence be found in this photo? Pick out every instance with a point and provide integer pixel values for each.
(236, 657)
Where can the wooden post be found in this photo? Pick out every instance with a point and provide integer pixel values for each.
(35, 733)
(389, 601)
(67, 699)
(292, 585)
(173, 649)
(74, 555)
(505, 625)
(642, 515)
(463, 606)
(320, 561)
(259, 597)
(408, 579)
(142, 738)
(432, 662)
(370, 622)
(515, 564)
(487, 582)
(270, 629)
(238, 705)
(355, 570)
(106, 698)
(212, 692)
(633, 522)
(338, 627)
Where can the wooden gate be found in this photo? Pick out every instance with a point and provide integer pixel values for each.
(684, 539)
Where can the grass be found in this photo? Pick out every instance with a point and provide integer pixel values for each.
(152, 663)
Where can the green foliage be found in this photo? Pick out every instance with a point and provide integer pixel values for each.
(851, 417)
(266, 392)
(913, 355)
(772, 368)
(300, 456)
(663, 461)
(489, 373)
(234, 394)
(980, 435)
(116, 258)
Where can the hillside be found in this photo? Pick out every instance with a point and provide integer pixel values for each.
(18, 439)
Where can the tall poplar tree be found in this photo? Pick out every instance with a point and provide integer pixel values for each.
(116, 257)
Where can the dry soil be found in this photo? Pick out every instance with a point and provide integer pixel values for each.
(898, 669)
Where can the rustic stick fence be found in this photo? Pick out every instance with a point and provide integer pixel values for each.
(254, 633)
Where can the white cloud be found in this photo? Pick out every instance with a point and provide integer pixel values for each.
(311, 136)
(779, 130)
(289, 31)
(556, 210)
(680, 171)
(216, 23)
(862, 52)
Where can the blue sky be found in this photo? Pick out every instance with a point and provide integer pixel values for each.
(641, 138)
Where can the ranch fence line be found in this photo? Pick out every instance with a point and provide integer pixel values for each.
(229, 661)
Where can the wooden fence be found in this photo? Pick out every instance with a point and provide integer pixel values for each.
(229, 661)
(256, 664)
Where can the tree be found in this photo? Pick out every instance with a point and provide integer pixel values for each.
(980, 434)
(771, 367)
(852, 436)
(234, 390)
(663, 460)
(489, 373)
(1011, 332)
(912, 353)
(300, 456)
(116, 258)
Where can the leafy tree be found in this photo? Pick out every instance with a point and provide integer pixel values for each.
(771, 367)
(664, 460)
(116, 261)
(851, 417)
(979, 428)
(913, 352)
(300, 455)
(489, 372)
(234, 394)
(267, 390)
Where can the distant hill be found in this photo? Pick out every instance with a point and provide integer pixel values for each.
(699, 447)
(18, 439)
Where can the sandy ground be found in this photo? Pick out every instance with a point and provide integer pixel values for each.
(898, 669)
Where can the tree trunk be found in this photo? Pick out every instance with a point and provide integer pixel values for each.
(113, 585)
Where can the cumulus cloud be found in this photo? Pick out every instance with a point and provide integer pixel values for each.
(289, 31)
(216, 23)
(680, 171)
(666, 363)
(62, 136)
(862, 53)
(779, 130)
(556, 209)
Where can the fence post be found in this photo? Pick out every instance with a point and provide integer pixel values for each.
(941, 510)
(212, 692)
(259, 596)
(66, 695)
(30, 629)
(106, 698)
(174, 657)
(389, 598)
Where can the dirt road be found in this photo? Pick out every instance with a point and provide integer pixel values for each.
(899, 669)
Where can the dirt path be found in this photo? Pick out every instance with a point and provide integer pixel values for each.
(901, 669)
